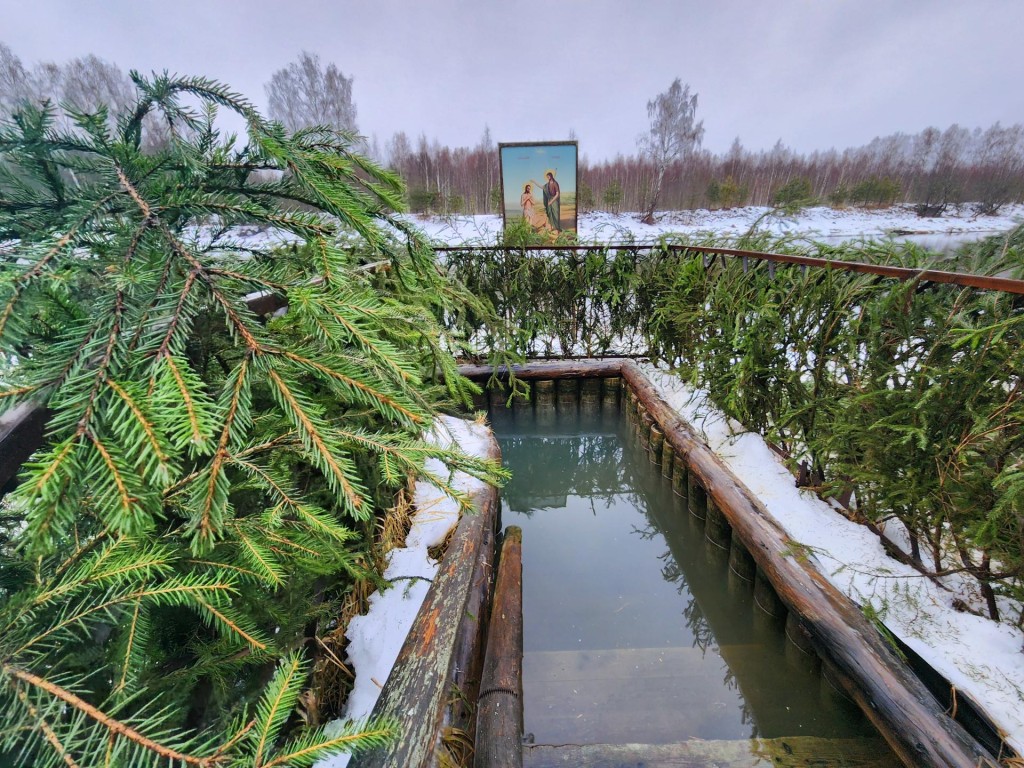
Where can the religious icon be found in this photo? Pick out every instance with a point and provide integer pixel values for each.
(538, 184)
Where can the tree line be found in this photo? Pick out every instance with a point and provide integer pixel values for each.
(934, 169)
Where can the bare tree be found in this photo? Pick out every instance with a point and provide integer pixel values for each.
(304, 94)
(673, 135)
(90, 82)
(85, 84)
(15, 83)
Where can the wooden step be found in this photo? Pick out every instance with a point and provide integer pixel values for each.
(638, 695)
(796, 752)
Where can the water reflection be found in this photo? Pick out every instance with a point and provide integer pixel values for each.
(634, 630)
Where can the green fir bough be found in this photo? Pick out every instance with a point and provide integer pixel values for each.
(211, 476)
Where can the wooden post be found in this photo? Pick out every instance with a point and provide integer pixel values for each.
(766, 597)
(655, 440)
(544, 392)
(679, 475)
(698, 498)
(590, 395)
(498, 396)
(610, 389)
(667, 457)
(499, 720)
(544, 403)
(480, 401)
(740, 561)
(646, 422)
(799, 648)
(567, 392)
(716, 526)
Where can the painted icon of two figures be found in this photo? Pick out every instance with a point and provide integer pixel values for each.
(549, 217)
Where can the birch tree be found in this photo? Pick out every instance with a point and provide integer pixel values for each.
(674, 134)
(305, 94)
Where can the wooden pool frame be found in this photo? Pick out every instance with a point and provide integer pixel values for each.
(433, 687)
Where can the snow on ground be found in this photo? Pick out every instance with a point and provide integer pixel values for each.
(819, 223)
(376, 637)
(981, 658)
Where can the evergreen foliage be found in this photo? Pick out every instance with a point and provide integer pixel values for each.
(210, 476)
(909, 395)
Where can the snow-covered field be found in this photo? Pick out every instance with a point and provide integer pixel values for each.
(821, 223)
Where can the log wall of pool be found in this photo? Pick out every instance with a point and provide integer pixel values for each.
(817, 618)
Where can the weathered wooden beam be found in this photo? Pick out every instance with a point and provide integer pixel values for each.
(907, 715)
(419, 692)
(548, 369)
(499, 720)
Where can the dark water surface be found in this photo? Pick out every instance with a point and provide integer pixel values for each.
(636, 630)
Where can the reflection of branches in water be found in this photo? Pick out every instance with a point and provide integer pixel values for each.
(730, 682)
(556, 466)
(703, 636)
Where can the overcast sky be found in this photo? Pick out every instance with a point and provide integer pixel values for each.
(813, 73)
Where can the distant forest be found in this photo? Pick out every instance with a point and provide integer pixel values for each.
(933, 170)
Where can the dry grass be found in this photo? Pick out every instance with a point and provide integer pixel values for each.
(332, 677)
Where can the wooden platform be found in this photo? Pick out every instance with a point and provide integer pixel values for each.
(799, 752)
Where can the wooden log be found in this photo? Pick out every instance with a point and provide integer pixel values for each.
(548, 369)
(679, 474)
(655, 441)
(468, 656)
(610, 390)
(419, 692)
(716, 526)
(667, 457)
(899, 705)
(499, 730)
(740, 561)
(697, 496)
